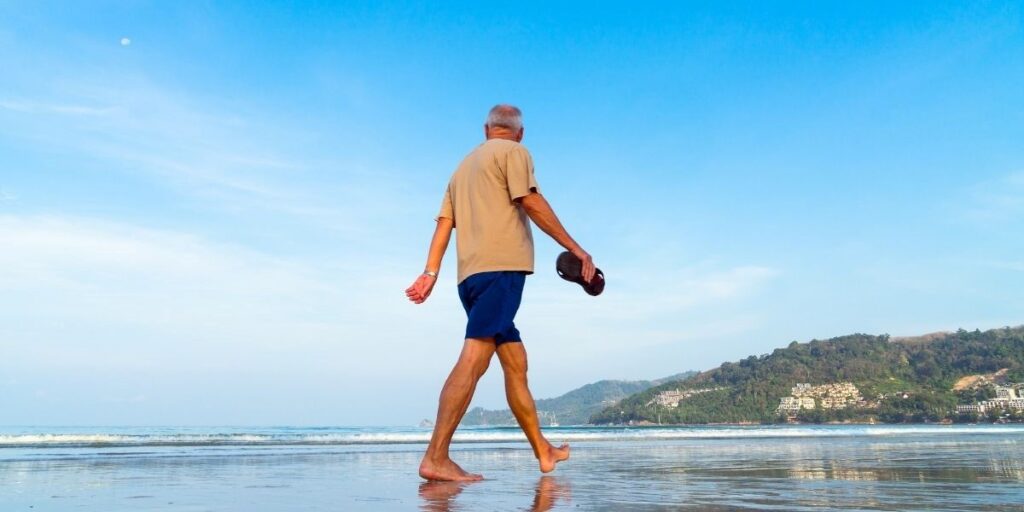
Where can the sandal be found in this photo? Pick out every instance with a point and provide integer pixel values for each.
(570, 268)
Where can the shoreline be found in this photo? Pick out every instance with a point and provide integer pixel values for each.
(745, 472)
(755, 424)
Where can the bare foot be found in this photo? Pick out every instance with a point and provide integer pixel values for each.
(550, 456)
(446, 470)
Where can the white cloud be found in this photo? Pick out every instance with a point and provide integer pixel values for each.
(997, 200)
(107, 298)
(151, 130)
(89, 308)
(1017, 266)
(33, 107)
(646, 290)
(649, 313)
(85, 293)
(221, 156)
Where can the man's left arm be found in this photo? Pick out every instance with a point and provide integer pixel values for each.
(540, 211)
(524, 191)
(424, 284)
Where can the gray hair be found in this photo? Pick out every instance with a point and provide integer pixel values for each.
(505, 116)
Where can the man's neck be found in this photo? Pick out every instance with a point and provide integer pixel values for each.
(498, 132)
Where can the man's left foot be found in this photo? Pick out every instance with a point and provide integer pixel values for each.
(550, 456)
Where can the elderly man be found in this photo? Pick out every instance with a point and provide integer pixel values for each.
(487, 202)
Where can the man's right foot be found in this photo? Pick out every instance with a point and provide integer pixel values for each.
(550, 456)
(446, 470)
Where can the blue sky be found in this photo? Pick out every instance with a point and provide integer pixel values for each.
(209, 211)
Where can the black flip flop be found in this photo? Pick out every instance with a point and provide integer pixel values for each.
(570, 268)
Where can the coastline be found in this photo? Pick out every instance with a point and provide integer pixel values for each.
(648, 468)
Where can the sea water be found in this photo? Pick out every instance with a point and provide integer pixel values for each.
(841, 467)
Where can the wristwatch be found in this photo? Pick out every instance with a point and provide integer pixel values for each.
(430, 273)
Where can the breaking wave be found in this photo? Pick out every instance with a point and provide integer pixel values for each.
(127, 437)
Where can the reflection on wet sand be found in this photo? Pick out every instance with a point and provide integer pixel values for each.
(928, 471)
(550, 490)
(440, 496)
(935, 473)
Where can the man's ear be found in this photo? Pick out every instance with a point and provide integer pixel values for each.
(519, 136)
(487, 131)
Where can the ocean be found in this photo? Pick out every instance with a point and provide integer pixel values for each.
(786, 467)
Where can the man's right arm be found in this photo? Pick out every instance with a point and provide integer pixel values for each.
(424, 283)
(541, 213)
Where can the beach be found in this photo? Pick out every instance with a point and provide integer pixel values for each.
(651, 468)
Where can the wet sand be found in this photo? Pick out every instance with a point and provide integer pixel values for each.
(920, 472)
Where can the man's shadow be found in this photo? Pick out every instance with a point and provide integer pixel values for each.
(440, 496)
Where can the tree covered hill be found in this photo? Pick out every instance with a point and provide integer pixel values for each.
(574, 407)
(903, 379)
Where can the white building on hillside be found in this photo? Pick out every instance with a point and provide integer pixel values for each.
(972, 408)
(1006, 393)
(836, 395)
(791, 405)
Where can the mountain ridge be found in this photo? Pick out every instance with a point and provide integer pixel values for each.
(906, 379)
(573, 407)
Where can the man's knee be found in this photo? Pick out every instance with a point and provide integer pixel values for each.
(468, 372)
(477, 356)
(516, 375)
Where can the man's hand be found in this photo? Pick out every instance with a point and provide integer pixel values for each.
(424, 284)
(421, 288)
(588, 270)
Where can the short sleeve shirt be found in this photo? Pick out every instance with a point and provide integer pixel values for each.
(492, 232)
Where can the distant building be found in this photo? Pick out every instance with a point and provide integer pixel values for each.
(790, 405)
(672, 397)
(1001, 404)
(838, 395)
(1006, 393)
(990, 405)
(970, 409)
(668, 398)
(1007, 398)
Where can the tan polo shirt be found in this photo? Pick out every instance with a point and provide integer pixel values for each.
(492, 232)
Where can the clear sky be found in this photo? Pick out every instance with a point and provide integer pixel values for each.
(209, 211)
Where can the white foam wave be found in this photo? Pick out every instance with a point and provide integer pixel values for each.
(384, 437)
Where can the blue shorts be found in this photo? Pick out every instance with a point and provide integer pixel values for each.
(491, 300)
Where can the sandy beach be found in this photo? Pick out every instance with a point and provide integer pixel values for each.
(848, 468)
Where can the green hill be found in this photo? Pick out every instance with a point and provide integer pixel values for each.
(901, 380)
(574, 407)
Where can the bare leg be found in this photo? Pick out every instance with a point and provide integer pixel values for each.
(513, 363)
(455, 397)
